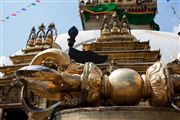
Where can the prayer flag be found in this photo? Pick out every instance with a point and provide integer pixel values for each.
(13, 14)
(7, 17)
(33, 4)
(38, 1)
(174, 11)
(23, 9)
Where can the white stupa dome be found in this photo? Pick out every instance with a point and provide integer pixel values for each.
(168, 43)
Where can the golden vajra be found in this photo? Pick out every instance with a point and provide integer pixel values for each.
(77, 85)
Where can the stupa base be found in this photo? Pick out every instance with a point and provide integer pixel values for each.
(119, 113)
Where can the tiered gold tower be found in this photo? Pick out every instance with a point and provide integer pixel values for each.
(122, 48)
(9, 94)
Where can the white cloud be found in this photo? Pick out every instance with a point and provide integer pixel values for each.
(176, 29)
(5, 61)
(1, 74)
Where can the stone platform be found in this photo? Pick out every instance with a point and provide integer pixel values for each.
(119, 113)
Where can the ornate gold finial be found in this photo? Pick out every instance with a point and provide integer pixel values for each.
(53, 26)
(41, 30)
(40, 34)
(31, 41)
(42, 27)
(105, 27)
(125, 28)
(33, 30)
(49, 35)
(49, 40)
(32, 36)
(55, 31)
(115, 27)
(39, 40)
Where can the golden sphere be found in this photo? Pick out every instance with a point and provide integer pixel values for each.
(125, 87)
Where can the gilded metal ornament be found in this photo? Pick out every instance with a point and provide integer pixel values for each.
(76, 85)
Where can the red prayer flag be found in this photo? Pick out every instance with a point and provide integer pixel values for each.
(38, 1)
(13, 14)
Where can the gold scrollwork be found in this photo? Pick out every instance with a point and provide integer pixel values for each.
(91, 83)
(158, 76)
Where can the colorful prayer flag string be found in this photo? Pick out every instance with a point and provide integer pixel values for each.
(14, 14)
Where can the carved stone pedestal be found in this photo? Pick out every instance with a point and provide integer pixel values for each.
(118, 113)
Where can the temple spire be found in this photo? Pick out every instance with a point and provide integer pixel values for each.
(115, 24)
(105, 27)
(125, 27)
(40, 35)
(42, 39)
(32, 37)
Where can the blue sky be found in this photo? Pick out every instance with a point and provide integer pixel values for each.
(64, 13)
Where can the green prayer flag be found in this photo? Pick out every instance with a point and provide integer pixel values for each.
(103, 7)
(99, 8)
(33, 4)
(141, 18)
